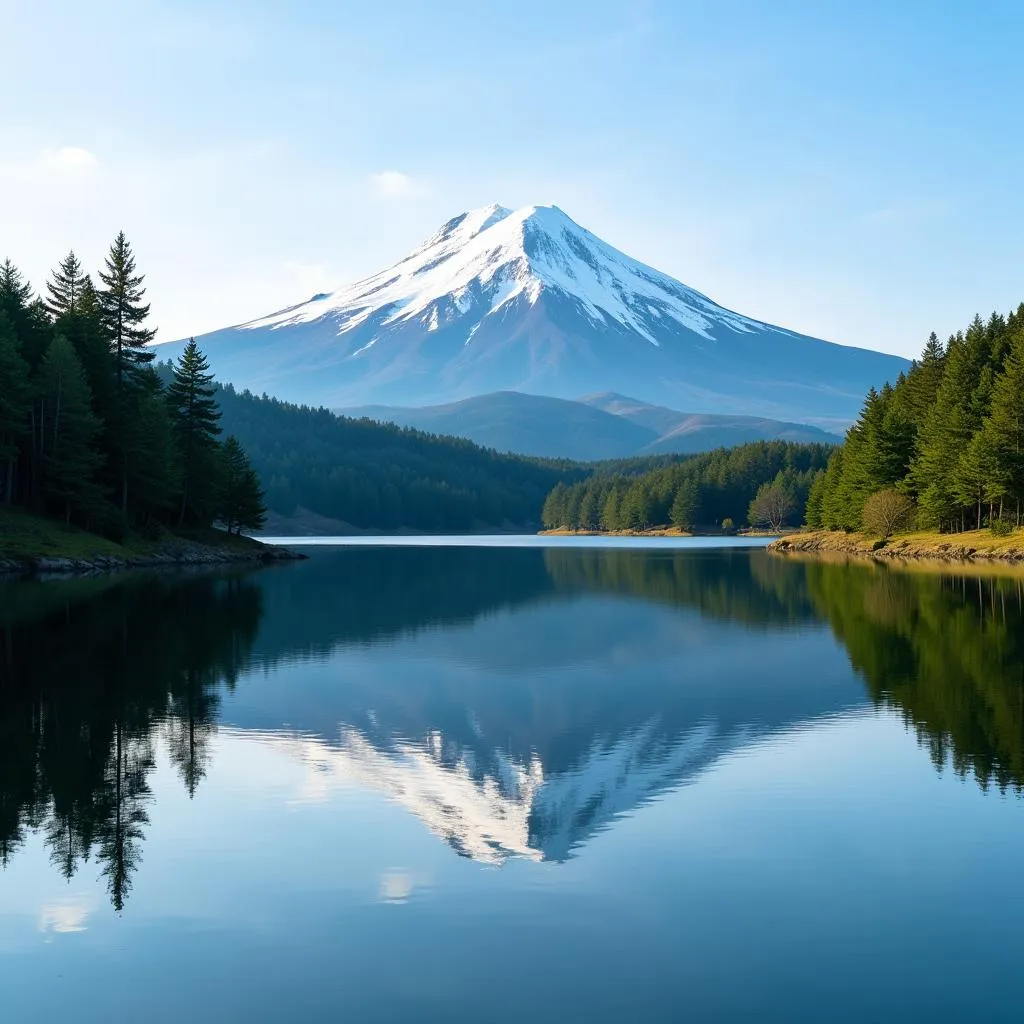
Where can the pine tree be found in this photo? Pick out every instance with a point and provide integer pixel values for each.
(195, 417)
(154, 462)
(65, 287)
(610, 511)
(1003, 431)
(15, 291)
(553, 512)
(684, 506)
(590, 509)
(242, 506)
(15, 405)
(976, 477)
(122, 310)
(67, 432)
(814, 513)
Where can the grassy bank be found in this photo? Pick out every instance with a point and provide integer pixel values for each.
(970, 546)
(32, 544)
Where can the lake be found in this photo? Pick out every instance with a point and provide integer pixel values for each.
(514, 781)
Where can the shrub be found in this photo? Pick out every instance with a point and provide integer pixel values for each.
(728, 526)
(888, 512)
(1002, 527)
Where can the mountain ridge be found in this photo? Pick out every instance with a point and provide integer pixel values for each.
(589, 429)
(529, 300)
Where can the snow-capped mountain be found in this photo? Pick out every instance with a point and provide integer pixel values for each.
(528, 300)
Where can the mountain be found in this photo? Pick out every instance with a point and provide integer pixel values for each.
(690, 432)
(510, 421)
(528, 300)
(606, 426)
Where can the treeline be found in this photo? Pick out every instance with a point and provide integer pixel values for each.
(89, 431)
(377, 476)
(765, 481)
(943, 447)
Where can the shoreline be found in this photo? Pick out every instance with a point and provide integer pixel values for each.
(33, 547)
(973, 546)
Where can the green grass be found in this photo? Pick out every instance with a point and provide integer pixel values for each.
(24, 536)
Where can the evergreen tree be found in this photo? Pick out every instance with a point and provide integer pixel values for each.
(241, 505)
(195, 417)
(15, 291)
(684, 506)
(15, 405)
(123, 313)
(610, 511)
(814, 513)
(67, 432)
(154, 462)
(65, 287)
(589, 517)
(1003, 431)
(552, 514)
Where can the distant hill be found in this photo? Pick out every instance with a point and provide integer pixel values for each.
(691, 432)
(603, 426)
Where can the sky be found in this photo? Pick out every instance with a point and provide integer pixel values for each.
(852, 171)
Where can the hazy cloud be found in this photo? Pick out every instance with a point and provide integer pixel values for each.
(69, 159)
(396, 185)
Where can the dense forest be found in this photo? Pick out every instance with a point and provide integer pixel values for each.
(89, 431)
(766, 482)
(943, 448)
(377, 476)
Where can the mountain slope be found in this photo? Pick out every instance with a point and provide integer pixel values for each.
(526, 424)
(530, 301)
(688, 432)
(607, 426)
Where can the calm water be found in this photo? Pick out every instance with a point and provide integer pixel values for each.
(520, 784)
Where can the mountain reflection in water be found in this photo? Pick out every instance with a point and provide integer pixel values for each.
(516, 700)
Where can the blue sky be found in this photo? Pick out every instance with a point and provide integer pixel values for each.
(851, 170)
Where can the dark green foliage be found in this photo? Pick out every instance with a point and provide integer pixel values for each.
(15, 406)
(65, 287)
(380, 477)
(122, 310)
(685, 506)
(241, 505)
(696, 491)
(87, 429)
(67, 433)
(949, 435)
(191, 397)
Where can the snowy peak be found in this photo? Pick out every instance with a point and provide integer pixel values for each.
(528, 300)
(480, 261)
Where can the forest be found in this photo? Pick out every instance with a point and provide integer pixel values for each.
(942, 448)
(765, 482)
(89, 432)
(377, 476)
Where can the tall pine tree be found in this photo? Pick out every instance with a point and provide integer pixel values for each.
(195, 417)
(242, 506)
(122, 310)
(65, 287)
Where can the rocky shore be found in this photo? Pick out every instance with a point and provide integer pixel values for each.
(167, 554)
(971, 546)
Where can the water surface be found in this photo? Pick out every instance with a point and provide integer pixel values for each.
(547, 782)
